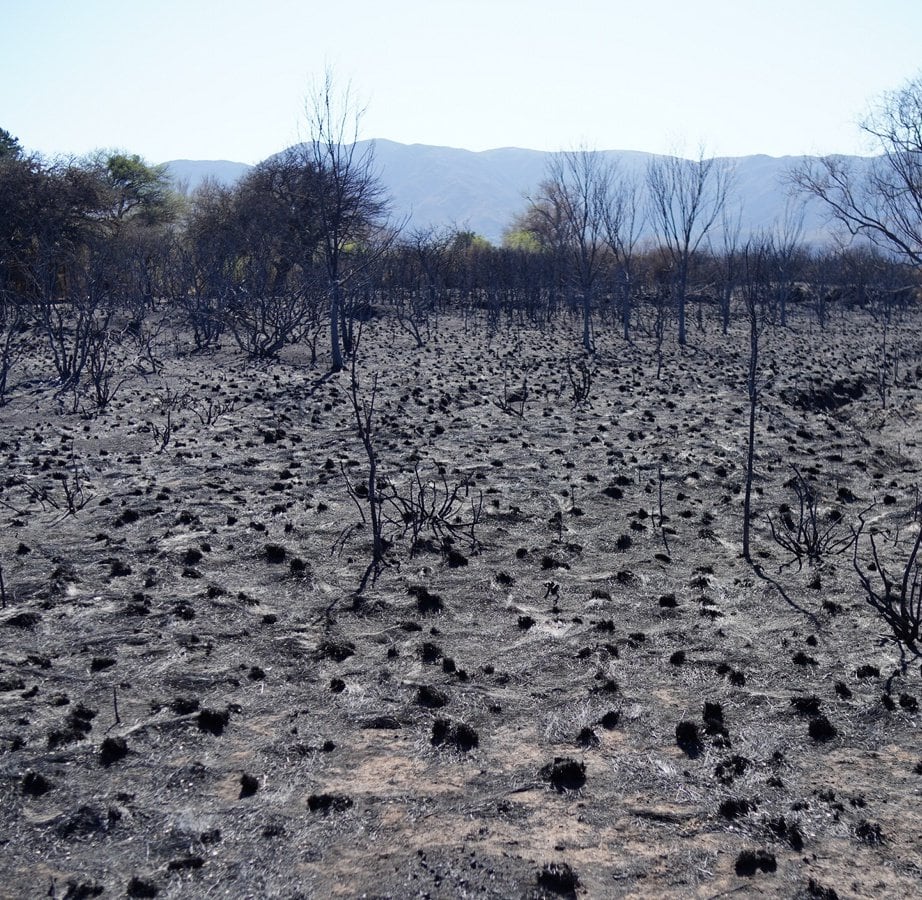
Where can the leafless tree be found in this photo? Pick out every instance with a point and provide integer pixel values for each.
(576, 208)
(787, 257)
(201, 262)
(11, 341)
(755, 279)
(729, 255)
(879, 199)
(686, 197)
(624, 221)
(352, 203)
(78, 324)
(363, 408)
(820, 265)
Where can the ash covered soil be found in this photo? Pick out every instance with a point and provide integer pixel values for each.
(596, 696)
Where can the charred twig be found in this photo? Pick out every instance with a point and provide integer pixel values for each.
(435, 506)
(353, 493)
(897, 599)
(209, 410)
(581, 375)
(169, 402)
(513, 402)
(660, 518)
(72, 483)
(807, 538)
(363, 409)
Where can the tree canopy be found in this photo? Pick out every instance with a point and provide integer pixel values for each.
(137, 188)
(10, 147)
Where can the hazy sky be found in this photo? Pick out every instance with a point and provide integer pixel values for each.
(226, 79)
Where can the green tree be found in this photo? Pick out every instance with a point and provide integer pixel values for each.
(522, 239)
(137, 189)
(10, 147)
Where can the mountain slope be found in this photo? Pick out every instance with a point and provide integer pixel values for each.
(189, 174)
(436, 187)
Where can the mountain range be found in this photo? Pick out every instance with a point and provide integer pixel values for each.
(482, 191)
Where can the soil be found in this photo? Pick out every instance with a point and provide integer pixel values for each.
(597, 696)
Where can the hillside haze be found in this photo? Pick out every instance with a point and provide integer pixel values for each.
(438, 187)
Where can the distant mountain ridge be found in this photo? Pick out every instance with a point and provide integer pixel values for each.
(189, 174)
(482, 191)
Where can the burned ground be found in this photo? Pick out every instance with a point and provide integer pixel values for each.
(597, 696)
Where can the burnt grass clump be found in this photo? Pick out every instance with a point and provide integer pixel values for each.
(112, 750)
(558, 879)
(430, 697)
(821, 729)
(329, 803)
(688, 739)
(426, 603)
(564, 774)
(34, 784)
(213, 721)
(560, 677)
(456, 735)
(749, 862)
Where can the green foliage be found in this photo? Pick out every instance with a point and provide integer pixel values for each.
(138, 188)
(10, 147)
(522, 240)
(542, 225)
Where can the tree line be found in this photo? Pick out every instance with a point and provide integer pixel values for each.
(304, 247)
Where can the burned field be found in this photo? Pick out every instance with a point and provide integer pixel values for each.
(562, 679)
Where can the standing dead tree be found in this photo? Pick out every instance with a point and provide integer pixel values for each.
(624, 221)
(363, 409)
(686, 198)
(729, 261)
(103, 367)
(77, 326)
(199, 274)
(352, 204)
(577, 216)
(12, 325)
(416, 275)
(423, 505)
(754, 280)
(787, 259)
(880, 198)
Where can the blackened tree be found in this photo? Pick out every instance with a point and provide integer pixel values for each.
(352, 203)
(686, 197)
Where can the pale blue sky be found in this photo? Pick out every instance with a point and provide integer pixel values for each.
(226, 79)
